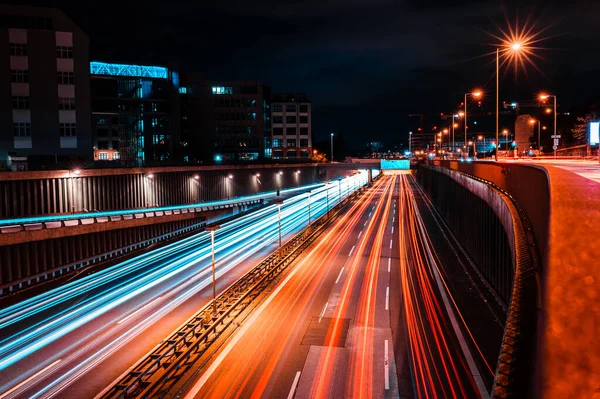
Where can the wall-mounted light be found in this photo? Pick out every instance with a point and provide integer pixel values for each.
(196, 177)
(280, 173)
(257, 175)
(230, 177)
(77, 171)
(150, 176)
(298, 171)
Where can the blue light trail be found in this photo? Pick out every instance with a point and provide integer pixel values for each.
(85, 321)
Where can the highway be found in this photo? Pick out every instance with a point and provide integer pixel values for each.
(363, 314)
(76, 339)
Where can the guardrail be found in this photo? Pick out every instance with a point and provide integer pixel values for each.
(158, 372)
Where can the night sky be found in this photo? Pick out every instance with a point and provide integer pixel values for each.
(365, 64)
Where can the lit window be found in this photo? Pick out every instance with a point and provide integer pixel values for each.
(183, 90)
(103, 156)
(291, 142)
(222, 90)
(64, 52)
(22, 129)
(68, 130)
(19, 76)
(19, 49)
(277, 143)
(116, 155)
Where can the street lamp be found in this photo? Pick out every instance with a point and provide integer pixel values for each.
(279, 203)
(331, 147)
(212, 230)
(505, 134)
(532, 123)
(409, 143)
(555, 137)
(515, 47)
(476, 94)
(481, 138)
(308, 208)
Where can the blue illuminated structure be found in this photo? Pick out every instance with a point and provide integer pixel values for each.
(139, 71)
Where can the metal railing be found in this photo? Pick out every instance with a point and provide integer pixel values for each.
(160, 370)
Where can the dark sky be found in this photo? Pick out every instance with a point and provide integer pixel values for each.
(365, 64)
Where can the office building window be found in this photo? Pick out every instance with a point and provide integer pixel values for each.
(277, 131)
(303, 107)
(19, 76)
(103, 144)
(103, 156)
(290, 131)
(222, 90)
(290, 108)
(100, 120)
(277, 119)
(277, 143)
(251, 129)
(20, 102)
(66, 103)
(291, 142)
(277, 108)
(303, 142)
(22, 129)
(116, 156)
(304, 131)
(65, 78)
(64, 52)
(67, 129)
(303, 119)
(290, 119)
(18, 49)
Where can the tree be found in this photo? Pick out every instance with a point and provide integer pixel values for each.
(580, 128)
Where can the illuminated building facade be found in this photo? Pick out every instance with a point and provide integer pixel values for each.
(224, 121)
(291, 126)
(135, 113)
(45, 121)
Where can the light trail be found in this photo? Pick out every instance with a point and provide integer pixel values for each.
(154, 283)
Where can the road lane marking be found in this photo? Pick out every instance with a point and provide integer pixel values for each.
(393, 219)
(392, 229)
(370, 213)
(16, 387)
(323, 311)
(391, 241)
(387, 298)
(365, 223)
(339, 275)
(139, 310)
(386, 366)
(352, 250)
(389, 264)
(359, 234)
(294, 385)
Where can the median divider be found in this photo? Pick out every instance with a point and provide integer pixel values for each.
(163, 367)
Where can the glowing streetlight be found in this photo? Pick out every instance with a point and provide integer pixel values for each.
(532, 123)
(545, 97)
(476, 94)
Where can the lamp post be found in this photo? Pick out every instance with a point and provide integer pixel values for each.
(505, 134)
(212, 230)
(532, 122)
(308, 208)
(476, 94)
(545, 97)
(409, 143)
(279, 203)
(327, 189)
(331, 147)
(514, 47)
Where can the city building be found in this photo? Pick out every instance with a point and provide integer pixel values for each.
(135, 113)
(291, 120)
(225, 120)
(45, 118)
